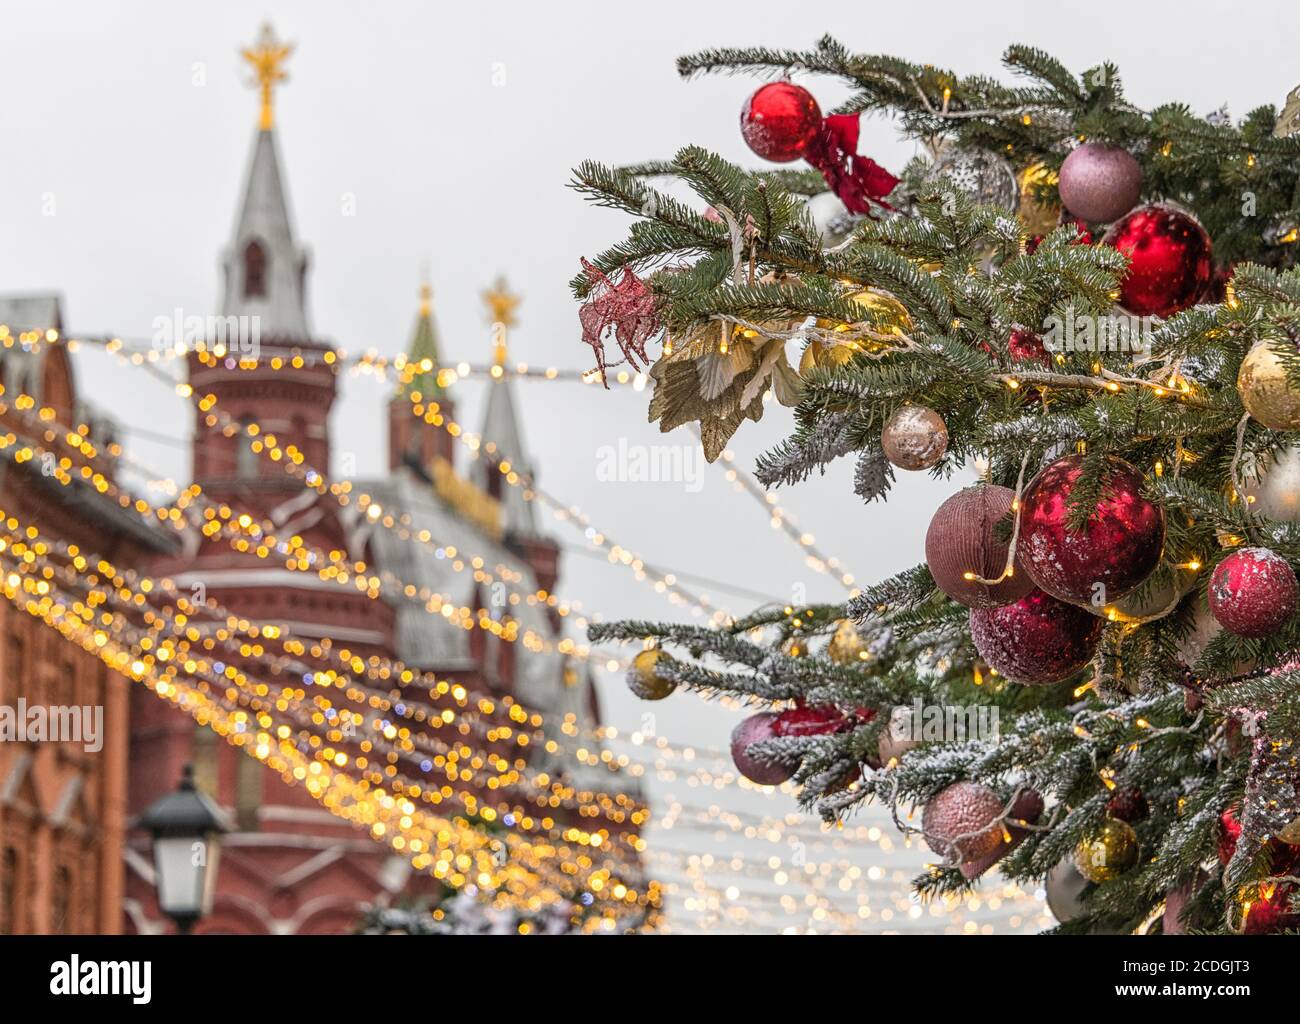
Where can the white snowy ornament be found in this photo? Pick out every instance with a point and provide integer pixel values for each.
(831, 218)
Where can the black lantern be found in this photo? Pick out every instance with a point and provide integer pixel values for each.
(186, 828)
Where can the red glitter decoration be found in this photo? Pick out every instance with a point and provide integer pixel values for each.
(627, 307)
(858, 180)
(1116, 550)
(1128, 805)
(1037, 640)
(1272, 913)
(1024, 346)
(756, 729)
(811, 720)
(781, 121)
(1169, 259)
(1253, 592)
(963, 822)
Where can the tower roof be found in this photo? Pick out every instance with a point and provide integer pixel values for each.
(424, 348)
(265, 270)
(501, 419)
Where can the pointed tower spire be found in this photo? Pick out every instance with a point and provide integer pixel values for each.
(501, 421)
(412, 441)
(265, 270)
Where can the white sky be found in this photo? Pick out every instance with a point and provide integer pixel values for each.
(136, 120)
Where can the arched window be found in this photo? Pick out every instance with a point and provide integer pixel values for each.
(245, 457)
(254, 270)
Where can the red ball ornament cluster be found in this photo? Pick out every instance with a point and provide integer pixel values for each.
(1253, 592)
(1170, 263)
(781, 121)
(1038, 640)
(757, 729)
(1118, 547)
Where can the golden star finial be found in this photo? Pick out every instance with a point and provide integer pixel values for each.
(266, 57)
(501, 304)
(426, 299)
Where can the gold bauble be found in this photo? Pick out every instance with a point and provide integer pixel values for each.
(914, 438)
(819, 356)
(644, 679)
(846, 646)
(1108, 854)
(1265, 391)
(884, 313)
(1038, 216)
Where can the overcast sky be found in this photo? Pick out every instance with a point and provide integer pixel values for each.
(450, 129)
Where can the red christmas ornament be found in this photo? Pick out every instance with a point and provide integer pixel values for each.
(1272, 911)
(781, 121)
(811, 720)
(1253, 592)
(1082, 235)
(1037, 640)
(1024, 346)
(756, 729)
(1229, 833)
(962, 539)
(1116, 550)
(1128, 805)
(1169, 259)
(627, 307)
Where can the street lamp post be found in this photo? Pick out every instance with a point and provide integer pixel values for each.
(186, 827)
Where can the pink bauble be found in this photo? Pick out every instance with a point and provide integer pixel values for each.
(1100, 183)
(1038, 640)
(1253, 592)
(756, 729)
(963, 822)
(780, 121)
(962, 539)
(1118, 547)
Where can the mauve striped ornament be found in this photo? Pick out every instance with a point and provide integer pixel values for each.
(962, 539)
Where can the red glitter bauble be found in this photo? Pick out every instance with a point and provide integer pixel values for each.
(1118, 548)
(962, 539)
(963, 822)
(1024, 345)
(1253, 592)
(756, 729)
(781, 121)
(1271, 913)
(1037, 640)
(1169, 259)
(811, 720)
(1128, 805)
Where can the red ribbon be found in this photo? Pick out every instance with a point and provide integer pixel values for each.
(858, 180)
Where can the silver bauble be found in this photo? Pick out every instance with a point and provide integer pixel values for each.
(1064, 888)
(982, 176)
(1272, 484)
